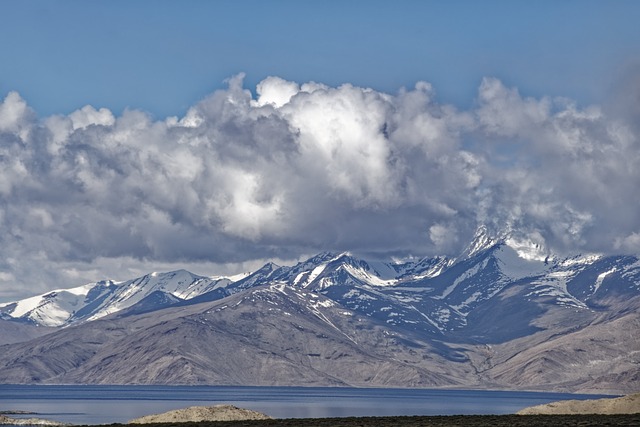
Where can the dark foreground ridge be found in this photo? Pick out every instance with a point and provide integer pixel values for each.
(428, 421)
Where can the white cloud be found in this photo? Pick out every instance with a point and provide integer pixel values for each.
(504, 112)
(303, 168)
(341, 139)
(630, 243)
(275, 91)
(444, 237)
(88, 116)
(14, 114)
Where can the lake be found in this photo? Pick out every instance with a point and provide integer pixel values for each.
(89, 404)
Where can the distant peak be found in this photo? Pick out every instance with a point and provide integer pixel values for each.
(173, 273)
(270, 266)
(342, 255)
(482, 240)
(182, 271)
(329, 256)
(529, 245)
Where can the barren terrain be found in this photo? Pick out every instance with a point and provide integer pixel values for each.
(620, 405)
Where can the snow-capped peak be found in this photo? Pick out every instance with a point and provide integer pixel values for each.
(95, 300)
(53, 308)
(481, 241)
(530, 246)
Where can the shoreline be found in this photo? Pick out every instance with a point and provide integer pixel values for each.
(511, 420)
(621, 411)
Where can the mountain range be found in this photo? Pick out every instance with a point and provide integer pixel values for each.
(504, 314)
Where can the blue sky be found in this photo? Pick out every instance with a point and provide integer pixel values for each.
(163, 56)
(141, 136)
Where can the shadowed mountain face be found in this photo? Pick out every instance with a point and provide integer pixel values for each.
(15, 332)
(494, 317)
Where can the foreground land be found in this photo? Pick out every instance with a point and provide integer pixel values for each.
(420, 421)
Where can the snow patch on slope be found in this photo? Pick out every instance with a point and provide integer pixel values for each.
(601, 278)
(514, 266)
(466, 275)
(554, 285)
(367, 277)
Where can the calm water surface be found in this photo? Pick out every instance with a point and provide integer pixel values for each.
(118, 404)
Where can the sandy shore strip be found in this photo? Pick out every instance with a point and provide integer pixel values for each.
(618, 405)
(202, 413)
(4, 420)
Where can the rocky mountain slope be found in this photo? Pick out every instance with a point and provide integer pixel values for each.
(14, 332)
(504, 314)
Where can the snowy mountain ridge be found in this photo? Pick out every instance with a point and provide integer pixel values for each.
(95, 300)
(435, 294)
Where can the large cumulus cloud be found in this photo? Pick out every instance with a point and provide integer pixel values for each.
(302, 168)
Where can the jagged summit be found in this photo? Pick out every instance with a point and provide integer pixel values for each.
(528, 246)
(482, 240)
